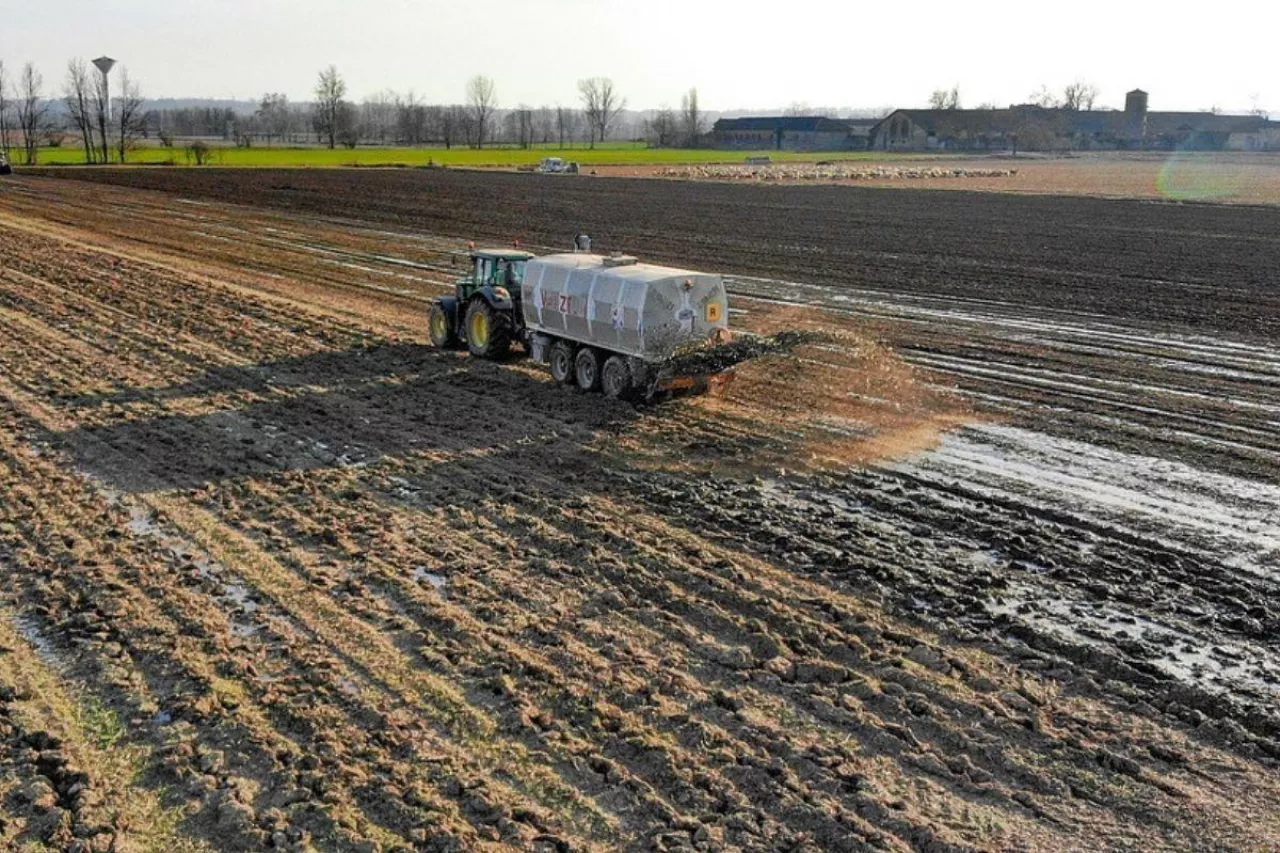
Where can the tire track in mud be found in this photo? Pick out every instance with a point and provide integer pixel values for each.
(812, 661)
(48, 736)
(629, 594)
(236, 690)
(984, 345)
(1053, 252)
(868, 525)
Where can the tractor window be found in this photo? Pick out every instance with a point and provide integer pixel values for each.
(484, 270)
(514, 273)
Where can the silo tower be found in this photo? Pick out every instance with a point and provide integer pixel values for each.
(104, 64)
(1135, 115)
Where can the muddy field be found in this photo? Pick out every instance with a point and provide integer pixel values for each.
(993, 569)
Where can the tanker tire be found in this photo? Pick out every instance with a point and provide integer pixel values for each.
(586, 369)
(560, 360)
(488, 330)
(444, 334)
(615, 377)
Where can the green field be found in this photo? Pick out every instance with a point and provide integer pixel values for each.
(608, 154)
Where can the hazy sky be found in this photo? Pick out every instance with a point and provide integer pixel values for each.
(739, 54)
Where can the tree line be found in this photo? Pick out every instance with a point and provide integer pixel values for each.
(1079, 95)
(390, 118)
(108, 124)
(105, 126)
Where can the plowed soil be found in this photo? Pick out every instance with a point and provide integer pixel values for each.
(990, 565)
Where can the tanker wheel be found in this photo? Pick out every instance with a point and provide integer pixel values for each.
(615, 377)
(586, 369)
(488, 330)
(444, 334)
(561, 362)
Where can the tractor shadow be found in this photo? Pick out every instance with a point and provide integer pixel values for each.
(333, 410)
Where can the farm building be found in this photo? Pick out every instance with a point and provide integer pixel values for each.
(1031, 127)
(792, 133)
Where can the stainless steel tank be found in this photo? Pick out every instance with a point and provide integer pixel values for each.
(620, 305)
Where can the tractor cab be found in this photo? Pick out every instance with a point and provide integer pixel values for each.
(484, 311)
(494, 268)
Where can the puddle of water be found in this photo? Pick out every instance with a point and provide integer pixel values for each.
(1233, 520)
(31, 632)
(142, 523)
(1216, 664)
(420, 574)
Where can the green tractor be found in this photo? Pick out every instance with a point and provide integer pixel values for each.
(484, 311)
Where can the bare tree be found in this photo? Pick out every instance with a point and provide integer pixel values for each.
(453, 124)
(330, 91)
(77, 95)
(566, 124)
(482, 99)
(274, 116)
(199, 152)
(692, 118)
(1079, 96)
(945, 99)
(602, 105)
(347, 125)
(544, 124)
(589, 90)
(378, 117)
(4, 111)
(524, 126)
(411, 119)
(1038, 131)
(1042, 97)
(33, 111)
(128, 114)
(663, 129)
(798, 108)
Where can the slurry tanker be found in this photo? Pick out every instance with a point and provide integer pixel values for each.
(602, 322)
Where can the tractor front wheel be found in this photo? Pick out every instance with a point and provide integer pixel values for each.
(444, 332)
(488, 330)
(561, 362)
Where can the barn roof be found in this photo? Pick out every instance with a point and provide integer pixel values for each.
(798, 124)
(1076, 121)
(1204, 123)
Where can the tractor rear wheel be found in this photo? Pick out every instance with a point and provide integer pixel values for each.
(561, 362)
(586, 369)
(444, 332)
(615, 377)
(488, 330)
